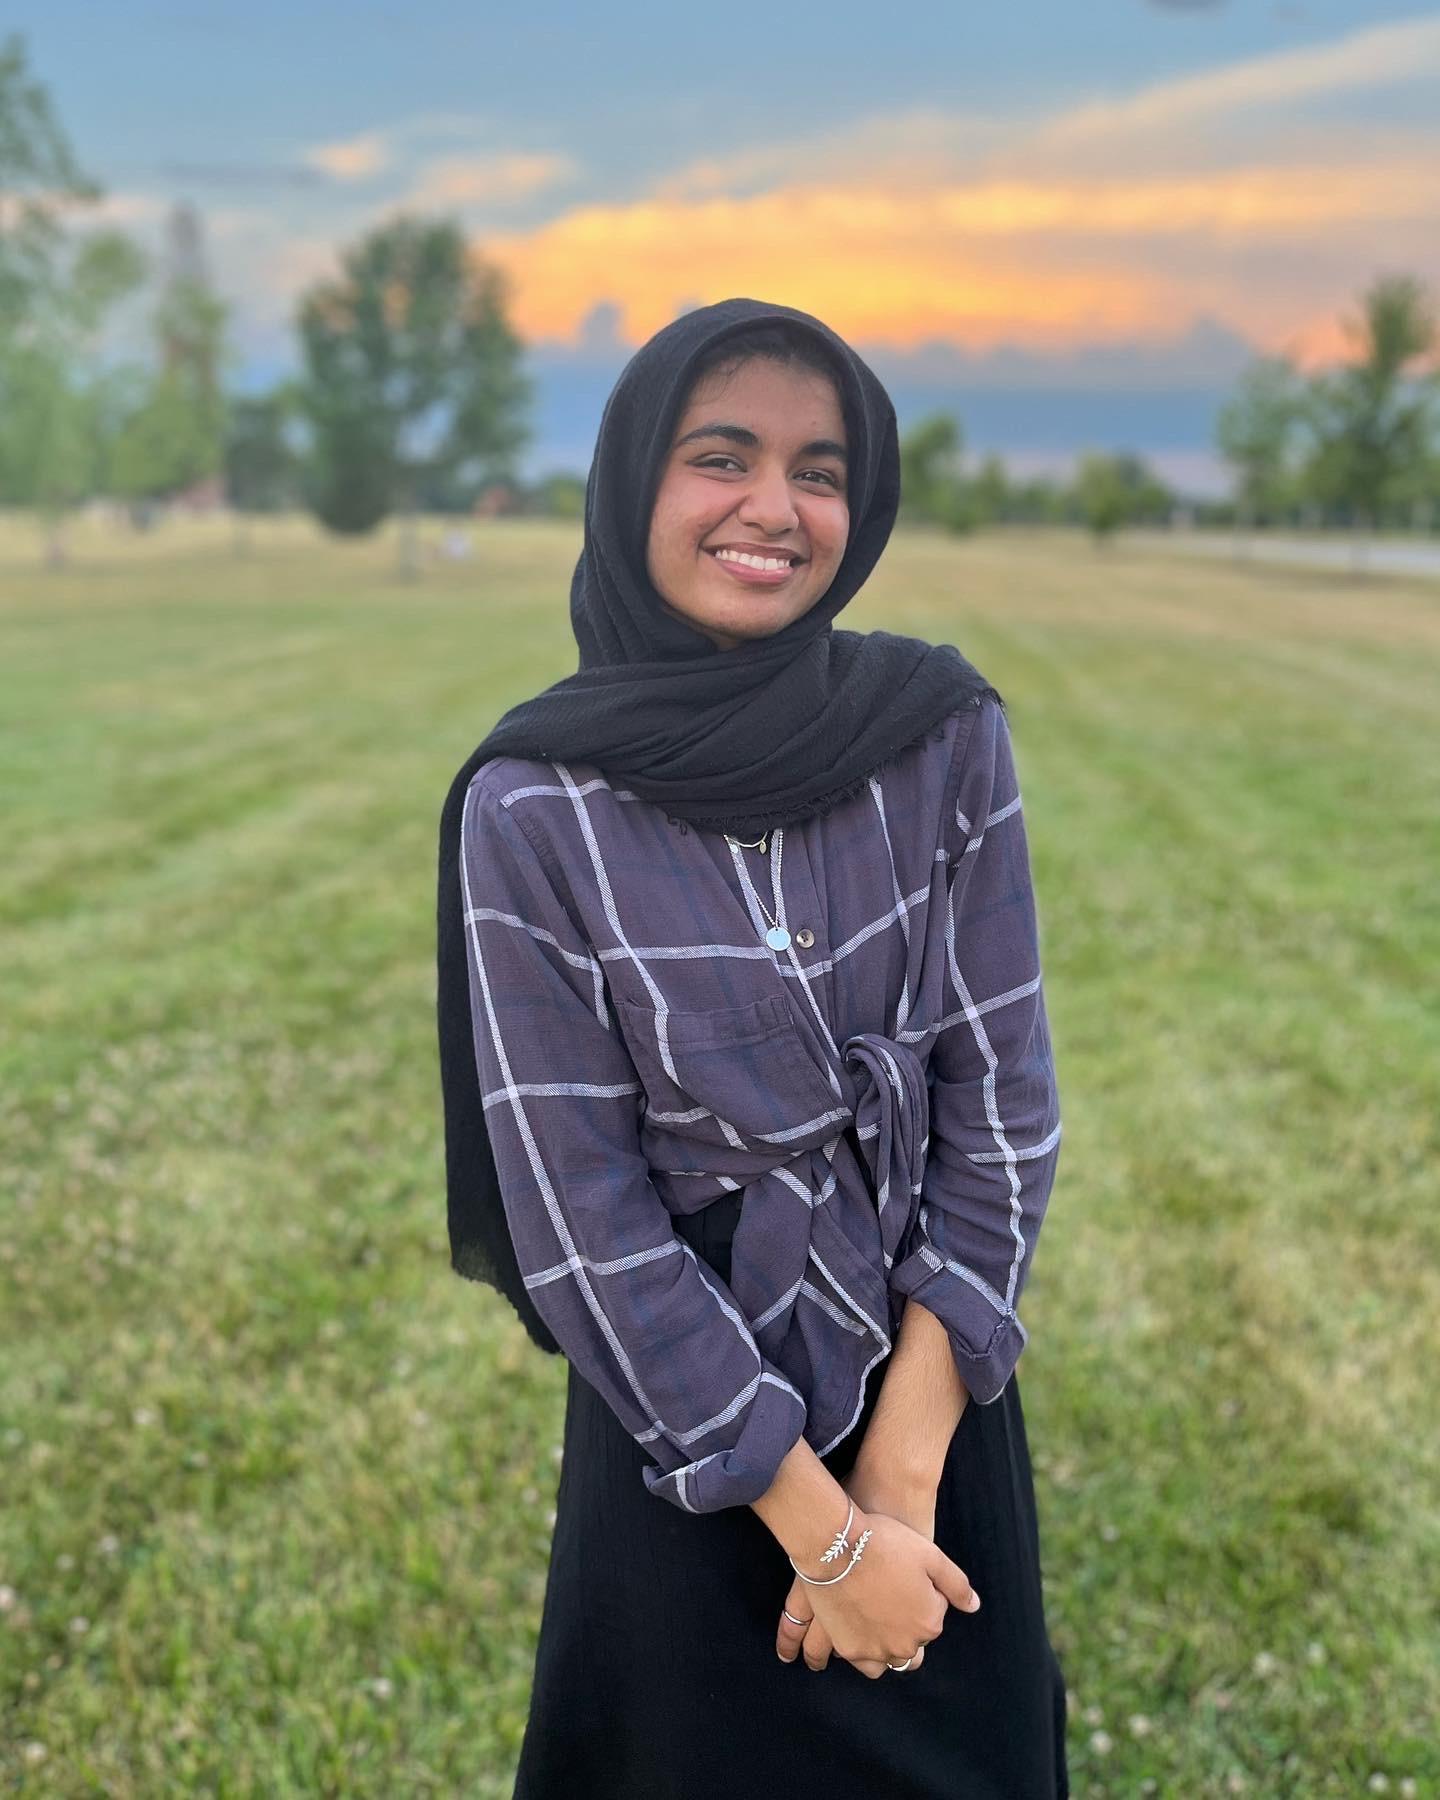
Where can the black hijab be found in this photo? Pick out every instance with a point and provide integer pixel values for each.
(775, 730)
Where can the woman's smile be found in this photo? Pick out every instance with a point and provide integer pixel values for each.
(751, 569)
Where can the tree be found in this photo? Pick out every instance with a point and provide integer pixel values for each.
(1256, 432)
(39, 178)
(55, 291)
(176, 437)
(990, 491)
(931, 484)
(1115, 490)
(1372, 420)
(261, 463)
(1039, 501)
(561, 496)
(1101, 494)
(51, 399)
(412, 381)
(351, 479)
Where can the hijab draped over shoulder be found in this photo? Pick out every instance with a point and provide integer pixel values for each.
(774, 730)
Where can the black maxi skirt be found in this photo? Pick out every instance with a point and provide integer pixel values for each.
(656, 1676)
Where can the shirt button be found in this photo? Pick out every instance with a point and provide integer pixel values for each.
(804, 937)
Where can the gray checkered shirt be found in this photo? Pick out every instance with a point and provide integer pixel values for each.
(882, 1088)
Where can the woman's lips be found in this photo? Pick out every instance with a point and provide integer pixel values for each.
(748, 577)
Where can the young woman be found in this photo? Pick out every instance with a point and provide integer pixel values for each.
(751, 1111)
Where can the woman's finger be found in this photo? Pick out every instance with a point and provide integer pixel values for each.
(817, 1646)
(790, 1636)
(871, 1670)
(868, 1666)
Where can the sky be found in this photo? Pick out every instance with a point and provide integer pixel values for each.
(1072, 221)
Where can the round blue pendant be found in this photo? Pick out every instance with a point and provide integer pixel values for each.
(778, 938)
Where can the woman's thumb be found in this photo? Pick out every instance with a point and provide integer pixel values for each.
(953, 1583)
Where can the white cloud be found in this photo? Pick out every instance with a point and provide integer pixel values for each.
(351, 159)
(1381, 56)
(460, 181)
(1259, 99)
(884, 146)
(386, 149)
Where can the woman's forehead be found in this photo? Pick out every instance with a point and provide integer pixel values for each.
(772, 402)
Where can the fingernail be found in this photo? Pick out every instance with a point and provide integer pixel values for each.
(785, 1658)
(974, 1605)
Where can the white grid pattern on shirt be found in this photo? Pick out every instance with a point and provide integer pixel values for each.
(576, 1264)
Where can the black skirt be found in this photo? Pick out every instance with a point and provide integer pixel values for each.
(656, 1676)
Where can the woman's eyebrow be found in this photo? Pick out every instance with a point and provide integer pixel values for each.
(740, 434)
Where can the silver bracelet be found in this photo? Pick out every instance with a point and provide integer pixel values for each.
(830, 1581)
(841, 1541)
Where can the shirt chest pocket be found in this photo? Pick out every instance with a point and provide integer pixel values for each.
(737, 1075)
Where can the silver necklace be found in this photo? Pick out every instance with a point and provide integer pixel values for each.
(777, 937)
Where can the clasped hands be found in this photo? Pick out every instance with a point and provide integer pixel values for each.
(893, 1601)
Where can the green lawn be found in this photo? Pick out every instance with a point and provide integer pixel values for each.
(275, 1485)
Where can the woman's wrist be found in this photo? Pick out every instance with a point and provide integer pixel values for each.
(806, 1508)
(920, 1405)
(880, 1477)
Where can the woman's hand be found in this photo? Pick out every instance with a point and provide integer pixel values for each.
(893, 1602)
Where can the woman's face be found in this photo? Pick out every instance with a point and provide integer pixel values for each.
(756, 469)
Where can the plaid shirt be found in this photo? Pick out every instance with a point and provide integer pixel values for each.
(882, 1089)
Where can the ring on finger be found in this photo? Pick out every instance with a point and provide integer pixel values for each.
(791, 1617)
(905, 1665)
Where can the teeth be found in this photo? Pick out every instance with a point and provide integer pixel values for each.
(753, 562)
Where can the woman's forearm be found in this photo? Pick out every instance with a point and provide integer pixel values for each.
(920, 1405)
(804, 1507)
(903, 1450)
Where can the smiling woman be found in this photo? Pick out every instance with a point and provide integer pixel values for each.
(751, 1111)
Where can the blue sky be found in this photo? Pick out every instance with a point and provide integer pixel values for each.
(1074, 222)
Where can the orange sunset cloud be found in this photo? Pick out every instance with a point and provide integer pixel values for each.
(1039, 262)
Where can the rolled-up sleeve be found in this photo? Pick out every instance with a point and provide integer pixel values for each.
(653, 1329)
(994, 1136)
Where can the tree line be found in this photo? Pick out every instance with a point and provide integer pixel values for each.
(1107, 490)
(1356, 447)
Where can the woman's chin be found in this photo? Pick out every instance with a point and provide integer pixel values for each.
(733, 625)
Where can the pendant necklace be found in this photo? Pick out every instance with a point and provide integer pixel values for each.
(777, 937)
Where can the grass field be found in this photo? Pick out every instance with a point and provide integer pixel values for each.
(275, 1485)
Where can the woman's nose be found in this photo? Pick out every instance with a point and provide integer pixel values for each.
(768, 504)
